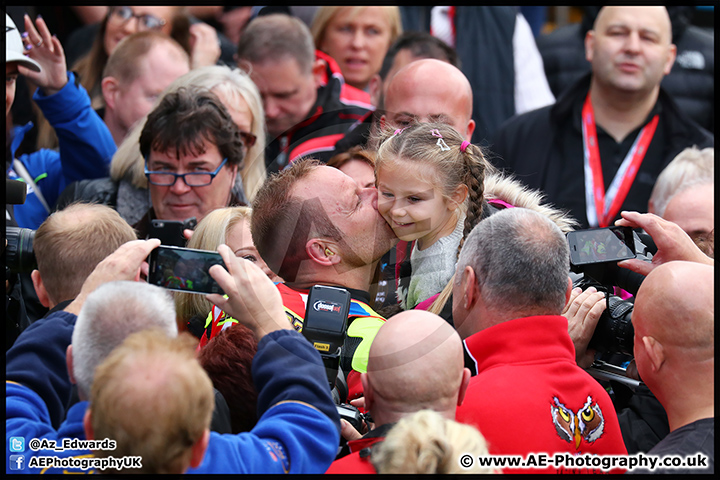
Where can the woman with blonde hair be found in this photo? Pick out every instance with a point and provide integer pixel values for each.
(127, 187)
(229, 226)
(357, 38)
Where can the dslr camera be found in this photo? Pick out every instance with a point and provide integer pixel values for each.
(594, 254)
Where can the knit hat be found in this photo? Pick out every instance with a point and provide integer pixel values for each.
(14, 49)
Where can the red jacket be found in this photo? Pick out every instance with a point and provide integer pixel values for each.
(358, 461)
(339, 108)
(529, 395)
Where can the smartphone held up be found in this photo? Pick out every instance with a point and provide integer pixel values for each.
(601, 245)
(184, 269)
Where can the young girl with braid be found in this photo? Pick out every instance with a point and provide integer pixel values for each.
(430, 191)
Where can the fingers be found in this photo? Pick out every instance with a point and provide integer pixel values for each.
(36, 37)
(358, 403)
(348, 432)
(136, 251)
(125, 263)
(571, 301)
(591, 302)
(637, 266)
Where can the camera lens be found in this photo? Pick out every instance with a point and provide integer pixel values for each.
(614, 332)
(19, 254)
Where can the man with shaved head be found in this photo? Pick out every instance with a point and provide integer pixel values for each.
(675, 356)
(430, 90)
(415, 363)
(601, 147)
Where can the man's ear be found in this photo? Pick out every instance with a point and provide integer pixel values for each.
(318, 72)
(110, 88)
(368, 392)
(470, 289)
(655, 352)
(199, 448)
(589, 45)
(87, 425)
(324, 253)
(568, 290)
(464, 385)
(69, 363)
(40, 288)
(375, 87)
(672, 54)
(383, 121)
(470, 130)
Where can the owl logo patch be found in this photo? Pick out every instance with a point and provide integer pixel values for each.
(587, 424)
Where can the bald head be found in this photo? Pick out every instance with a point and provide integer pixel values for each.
(416, 359)
(429, 90)
(630, 49)
(675, 305)
(674, 339)
(657, 15)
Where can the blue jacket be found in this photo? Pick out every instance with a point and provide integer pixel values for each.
(298, 430)
(86, 148)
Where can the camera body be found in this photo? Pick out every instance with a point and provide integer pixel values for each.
(353, 416)
(614, 333)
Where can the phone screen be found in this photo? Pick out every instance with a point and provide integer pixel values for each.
(184, 269)
(600, 245)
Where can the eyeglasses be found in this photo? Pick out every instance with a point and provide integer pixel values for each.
(248, 138)
(192, 179)
(145, 22)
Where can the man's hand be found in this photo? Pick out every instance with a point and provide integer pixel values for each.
(253, 299)
(46, 50)
(204, 45)
(672, 242)
(583, 311)
(125, 263)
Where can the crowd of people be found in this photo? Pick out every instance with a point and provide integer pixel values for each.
(428, 161)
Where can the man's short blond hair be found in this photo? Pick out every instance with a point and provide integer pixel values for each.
(70, 243)
(154, 399)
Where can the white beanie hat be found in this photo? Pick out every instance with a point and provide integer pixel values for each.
(14, 49)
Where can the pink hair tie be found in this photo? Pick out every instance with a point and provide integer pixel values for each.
(398, 131)
(464, 145)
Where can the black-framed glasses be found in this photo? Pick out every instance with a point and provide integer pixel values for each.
(191, 179)
(248, 138)
(145, 21)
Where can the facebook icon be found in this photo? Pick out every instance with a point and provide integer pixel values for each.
(17, 462)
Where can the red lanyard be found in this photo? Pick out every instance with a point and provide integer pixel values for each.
(603, 207)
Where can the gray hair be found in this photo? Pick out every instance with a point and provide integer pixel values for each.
(521, 261)
(109, 315)
(690, 167)
(275, 37)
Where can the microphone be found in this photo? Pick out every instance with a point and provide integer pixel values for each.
(15, 192)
